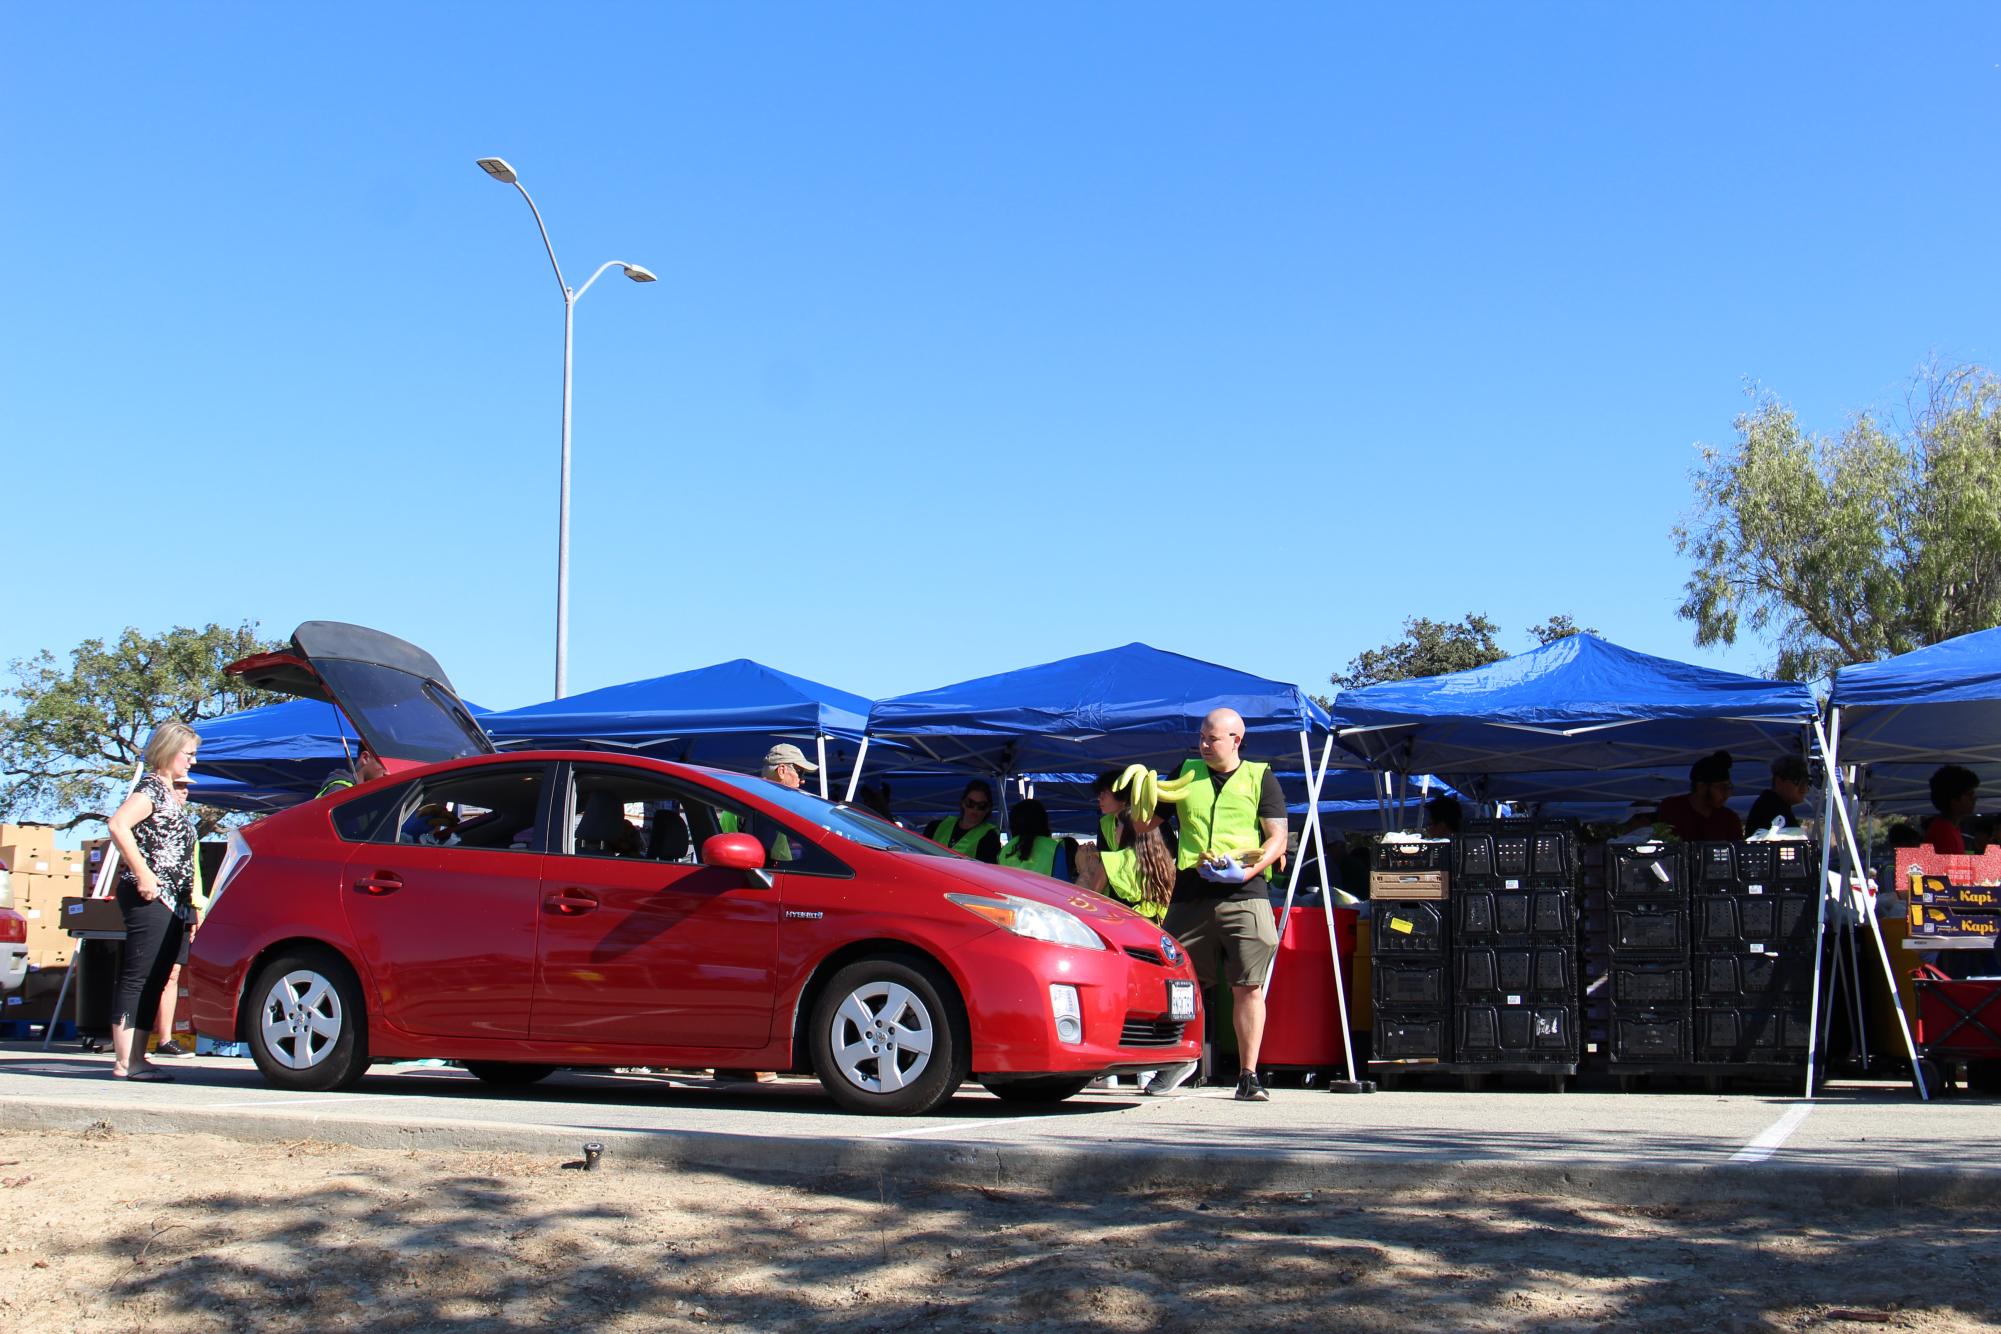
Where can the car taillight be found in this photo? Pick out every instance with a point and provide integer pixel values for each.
(233, 861)
(13, 928)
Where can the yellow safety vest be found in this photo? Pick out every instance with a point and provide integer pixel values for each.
(967, 843)
(1220, 821)
(1041, 858)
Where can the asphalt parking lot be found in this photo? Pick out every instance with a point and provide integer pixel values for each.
(1855, 1139)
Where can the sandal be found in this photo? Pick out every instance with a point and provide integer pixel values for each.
(146, 1075)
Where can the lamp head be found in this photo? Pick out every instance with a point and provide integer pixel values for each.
(497, 168)
(638, 274)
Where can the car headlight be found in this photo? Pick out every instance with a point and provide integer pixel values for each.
(1026, 917)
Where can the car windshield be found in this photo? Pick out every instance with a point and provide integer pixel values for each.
(850, 822)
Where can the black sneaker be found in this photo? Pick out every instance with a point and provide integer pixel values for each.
(1167, 1080)
(1249, 1089)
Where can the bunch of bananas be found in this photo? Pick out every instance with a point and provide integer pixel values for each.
(1145, 790)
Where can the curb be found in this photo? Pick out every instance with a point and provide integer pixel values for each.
(1054, 1169)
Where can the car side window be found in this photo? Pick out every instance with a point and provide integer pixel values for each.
(493, 808)
(631, 814)
(358, 820)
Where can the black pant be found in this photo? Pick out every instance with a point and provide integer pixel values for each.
(152, 948)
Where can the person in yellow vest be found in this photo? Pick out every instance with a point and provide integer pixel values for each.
(1031, 846)
(367, 768)
(1232, 834)
(1112, 868)
(970, 832)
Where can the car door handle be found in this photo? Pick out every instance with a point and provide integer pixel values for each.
(382, 882)
(573, 902)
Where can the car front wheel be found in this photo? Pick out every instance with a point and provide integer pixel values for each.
(307, 1029)
(886, 1039)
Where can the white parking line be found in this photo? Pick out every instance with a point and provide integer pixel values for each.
(1769, 1139)
(948, 1127)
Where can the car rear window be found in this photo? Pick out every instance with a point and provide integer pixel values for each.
(362, 819)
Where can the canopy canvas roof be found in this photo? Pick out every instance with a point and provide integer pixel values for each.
(1905, 716)
(1130, 705)
(1577, 703)
(725, 716)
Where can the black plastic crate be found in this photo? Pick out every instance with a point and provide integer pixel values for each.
(1796, 863)
(1516, 974)
(1758, 1034)
(1430, 855)
(1407, 926)
(1647, 871)
(1752, 979)
(1542, 1033)
(1648, 931)
(1472, 855)
(1411, 984)
(1413, 1035)
(1536, 912)
(1732, 924)
(1711, 864)
(1640, 984)
(1660, 1035)
(1553, 852)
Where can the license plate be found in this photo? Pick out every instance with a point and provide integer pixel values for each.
(1181, 1000)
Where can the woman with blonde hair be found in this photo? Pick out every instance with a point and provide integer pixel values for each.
(156, 879)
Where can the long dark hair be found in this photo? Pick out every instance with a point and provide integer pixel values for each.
(1027, 821)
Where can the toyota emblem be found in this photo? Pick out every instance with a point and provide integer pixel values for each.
(1170, 949)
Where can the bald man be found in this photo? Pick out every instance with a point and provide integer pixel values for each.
(1232, 828)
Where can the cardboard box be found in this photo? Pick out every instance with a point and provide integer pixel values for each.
(45, 892)
(41, 836)
(1943, 893)
(1931, 922)
(1407, 885)
(85, 914)
(1960, 868)
(36, 998)
(49, 946)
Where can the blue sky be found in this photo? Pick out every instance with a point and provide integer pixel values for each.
(984, 336)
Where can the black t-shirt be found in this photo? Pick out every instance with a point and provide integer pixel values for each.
(1188, 882)
(1769, 805)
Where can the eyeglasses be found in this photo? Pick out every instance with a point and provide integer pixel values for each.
(974, 804)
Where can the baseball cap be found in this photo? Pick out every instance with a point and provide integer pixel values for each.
(787, 753)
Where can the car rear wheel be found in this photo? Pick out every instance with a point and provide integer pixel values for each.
(886, 1039)
(1038, 1092)
(507, 1074)
(307, 1028)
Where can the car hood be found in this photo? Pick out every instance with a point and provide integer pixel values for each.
(396, 695)
(1108, 917)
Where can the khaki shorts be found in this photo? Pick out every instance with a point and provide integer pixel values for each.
(1239, 933)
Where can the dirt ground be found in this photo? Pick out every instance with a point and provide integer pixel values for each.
(106, 1231)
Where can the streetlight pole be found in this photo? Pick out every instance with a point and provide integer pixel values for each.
(500, 171)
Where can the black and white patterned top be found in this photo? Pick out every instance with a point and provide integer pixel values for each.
(166, 840)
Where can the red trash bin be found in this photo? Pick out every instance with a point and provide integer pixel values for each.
(1302, 1027)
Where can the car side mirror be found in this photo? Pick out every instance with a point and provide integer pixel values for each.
(737, 852)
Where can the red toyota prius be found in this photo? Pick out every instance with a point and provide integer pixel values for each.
(522, 912)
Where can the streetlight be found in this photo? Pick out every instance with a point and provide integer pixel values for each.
(500, 171)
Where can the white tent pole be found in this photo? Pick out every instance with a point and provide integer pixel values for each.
(820, 743)
(855, 778)
(1327, 910)
(1829, 781)
(1854, 868)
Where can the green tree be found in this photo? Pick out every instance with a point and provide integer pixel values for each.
(69, 746)
(1558, 627)
(1847, 548)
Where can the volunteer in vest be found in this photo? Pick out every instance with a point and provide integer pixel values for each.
(1031, 846)
(1112, 869)
(1232, 834)
(972, 830)
(367, 768)
(786, 765)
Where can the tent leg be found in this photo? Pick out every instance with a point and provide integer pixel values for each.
(1852, 856)
(1830, 780)
(820, 743)
(855, 778)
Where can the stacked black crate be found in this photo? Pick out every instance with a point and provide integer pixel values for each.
(1516, 995)
(1754, 915)
(1410, 951)
(1647, 906)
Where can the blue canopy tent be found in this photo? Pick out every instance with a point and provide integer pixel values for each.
(725, 716)
(1130, 705)
(1577, 704)
(266, 759)
(1903, 717)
